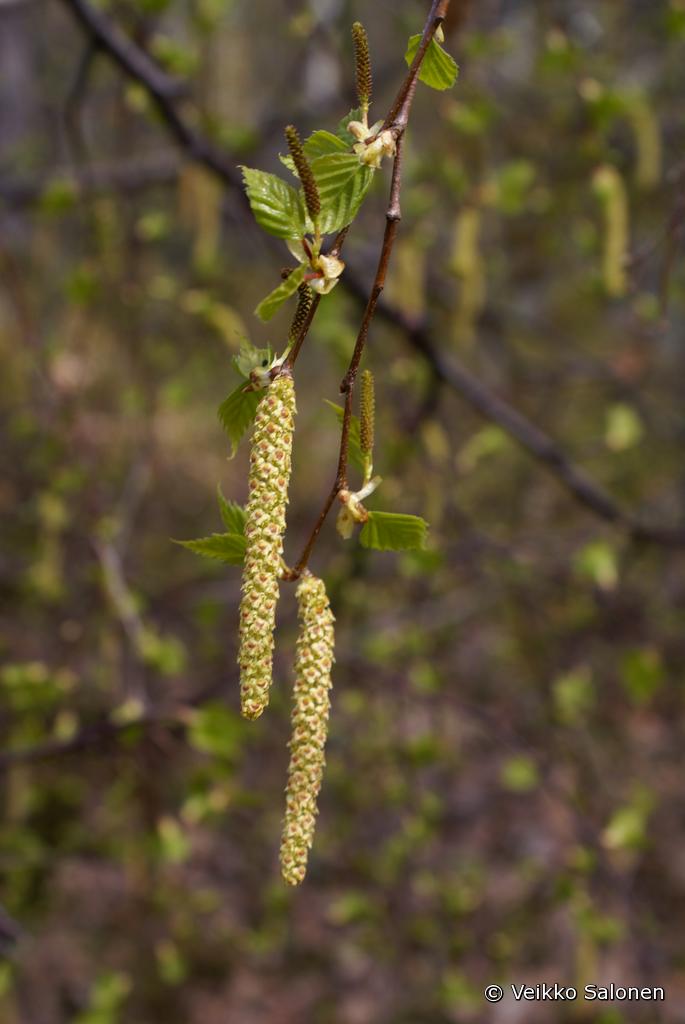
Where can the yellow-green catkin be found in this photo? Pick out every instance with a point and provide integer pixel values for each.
(362, 59)
(313, 664)
(467, 263)
(647, 142)
(307, 179)
(367, 423)
(270, 463)
(610, 189)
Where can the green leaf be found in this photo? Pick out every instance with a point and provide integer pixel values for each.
(277, 206)
(343, 183)
(342, 132)
(520, 774)
(392, 531)
(237, 413)
(355, 448)
(510, 186)
(273, 302)
(627, 828)
(288, 162)
(221, 547)
(318, 144)
(642, 673)
(233, 515)
(623, 427)
(324, 143)
(574, 695)
(249, 358)
(174, 847)
(599, 561)
(438, 70)
(215, 730)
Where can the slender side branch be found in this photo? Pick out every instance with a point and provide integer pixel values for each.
(396, 122)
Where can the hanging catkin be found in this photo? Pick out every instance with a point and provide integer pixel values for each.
(270, 462)
(313, 663)
(468, 264)
(611, 190)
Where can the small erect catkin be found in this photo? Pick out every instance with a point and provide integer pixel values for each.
(309, 186)
(270, 462)
(363, 65)
(304, 304)
(367, 423)
(313, 664)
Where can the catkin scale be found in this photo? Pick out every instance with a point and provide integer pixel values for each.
(270, 462)
(313, 664)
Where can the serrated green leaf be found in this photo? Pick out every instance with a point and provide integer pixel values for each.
(277, 206)
(393, 531)
(236, 414)
(438, 70)
(343, 183)
(221, 547)
(232, 515)
(323, 143)
(355, 448)
(288, 162)
(273, 302)
(342, 132)
(250, 358)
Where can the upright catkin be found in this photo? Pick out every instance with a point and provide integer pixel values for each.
(270, 463)
(362, 60)
(306, 175)
(304, 304)
(313, 664)
(367, 424)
